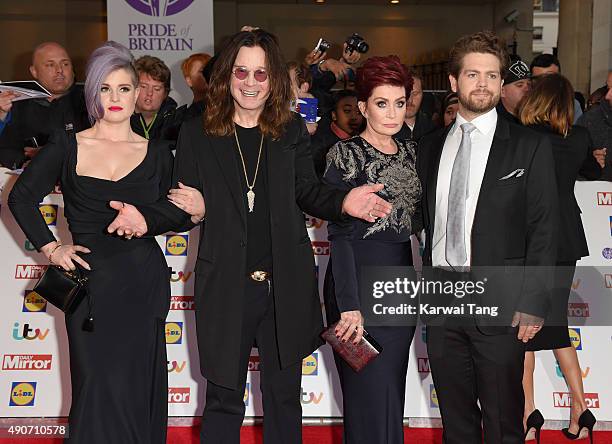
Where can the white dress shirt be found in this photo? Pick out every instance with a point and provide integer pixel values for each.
(482, 138)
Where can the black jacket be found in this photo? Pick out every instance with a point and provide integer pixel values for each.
(166, 125)
(598, 120)
(320, 143)
(515, 221)
(210, 165)
(422, 126)
(38, 118)
(573, 156)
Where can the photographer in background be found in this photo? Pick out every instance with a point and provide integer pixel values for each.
(326, 72)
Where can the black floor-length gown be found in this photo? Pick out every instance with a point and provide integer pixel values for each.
(118, 370)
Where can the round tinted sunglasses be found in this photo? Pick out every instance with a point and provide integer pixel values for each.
(242, 73)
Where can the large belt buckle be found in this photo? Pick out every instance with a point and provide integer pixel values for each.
(259, 276)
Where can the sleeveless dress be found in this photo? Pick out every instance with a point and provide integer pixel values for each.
(119, 370)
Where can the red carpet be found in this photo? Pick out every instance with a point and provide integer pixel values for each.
(326, 435)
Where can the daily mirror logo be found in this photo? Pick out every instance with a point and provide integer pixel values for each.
(26, 362)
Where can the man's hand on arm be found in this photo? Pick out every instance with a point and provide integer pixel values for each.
(128, 222)
(363, 203)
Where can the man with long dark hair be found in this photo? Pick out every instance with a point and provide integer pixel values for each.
(255, 281)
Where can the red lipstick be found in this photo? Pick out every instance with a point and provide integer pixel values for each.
(115, 108)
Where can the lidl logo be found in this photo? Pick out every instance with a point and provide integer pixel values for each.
(26, 362)
(575, 338)
(25, 271)
(49, 212)
(310, 365)
(22, 394)
(564, 400)
(33, 302)
(174, 332)
(176, 244)
(182, 303)
(254, 363)
(247, 391)
(175, 366)
(179, 395)
(311, 398)
(433, 397)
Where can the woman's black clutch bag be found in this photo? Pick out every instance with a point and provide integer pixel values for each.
(64, 289)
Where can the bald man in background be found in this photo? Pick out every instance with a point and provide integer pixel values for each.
(29, 123)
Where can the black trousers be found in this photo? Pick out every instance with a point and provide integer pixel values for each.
(224, 409)
(373, 399)
(468, 366)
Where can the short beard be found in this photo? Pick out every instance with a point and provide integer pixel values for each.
(476, 106)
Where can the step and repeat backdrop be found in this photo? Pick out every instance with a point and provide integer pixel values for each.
(35, 375)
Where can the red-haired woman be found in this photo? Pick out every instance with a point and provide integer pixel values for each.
(374, 156)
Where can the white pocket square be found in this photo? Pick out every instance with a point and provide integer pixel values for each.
(516, 173)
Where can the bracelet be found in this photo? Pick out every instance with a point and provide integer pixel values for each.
(53, 251)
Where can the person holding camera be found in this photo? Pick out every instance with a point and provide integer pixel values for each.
(326, 72)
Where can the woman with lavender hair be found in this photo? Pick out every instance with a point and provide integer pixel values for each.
(117, 343)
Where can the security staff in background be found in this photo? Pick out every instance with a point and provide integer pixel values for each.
(155, 117)
(416, 123)
(28, 123)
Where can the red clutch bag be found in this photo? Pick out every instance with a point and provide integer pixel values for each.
(357, 356)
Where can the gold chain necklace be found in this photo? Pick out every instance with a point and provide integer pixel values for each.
(250, 194)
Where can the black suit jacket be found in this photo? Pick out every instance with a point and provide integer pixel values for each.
(573, 157)
(515, 219)
(209, 164)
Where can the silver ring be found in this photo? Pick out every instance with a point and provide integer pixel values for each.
(371, 215)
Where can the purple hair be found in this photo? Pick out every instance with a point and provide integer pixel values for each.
(109, 57)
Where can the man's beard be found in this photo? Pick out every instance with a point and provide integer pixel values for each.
(480, 104)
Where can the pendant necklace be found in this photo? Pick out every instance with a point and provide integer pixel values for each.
(250, 194)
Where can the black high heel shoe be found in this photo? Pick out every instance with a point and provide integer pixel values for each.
(534, 421)
(586, 420)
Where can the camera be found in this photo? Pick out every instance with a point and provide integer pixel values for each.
(322, 45)
(356, 43)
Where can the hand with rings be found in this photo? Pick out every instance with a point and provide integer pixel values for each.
(363, 203)
(351, 322)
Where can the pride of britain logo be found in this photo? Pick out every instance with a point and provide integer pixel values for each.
(159, 8)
